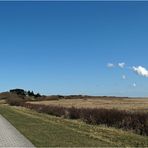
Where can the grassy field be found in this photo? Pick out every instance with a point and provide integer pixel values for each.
(45, 130)
(140, 104)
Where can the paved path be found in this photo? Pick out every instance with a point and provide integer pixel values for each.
(10, 136)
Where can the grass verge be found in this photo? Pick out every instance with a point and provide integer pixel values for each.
(45, 130)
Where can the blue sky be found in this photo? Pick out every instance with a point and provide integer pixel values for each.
(67, 47)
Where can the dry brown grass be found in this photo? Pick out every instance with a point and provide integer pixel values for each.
(140, 104)
(2, 101)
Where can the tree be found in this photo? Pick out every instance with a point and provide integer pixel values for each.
(37, 95)
(18, 91)
(31, 93)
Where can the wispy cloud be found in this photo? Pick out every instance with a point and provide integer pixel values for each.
(121, 65)
(142, 71)
(134, 84)
(110, 65)
(123, 77)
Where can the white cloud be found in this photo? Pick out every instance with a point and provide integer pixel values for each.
(123, 77)
(110, 65)
(134, 85)
(121, 65)
(140, 71)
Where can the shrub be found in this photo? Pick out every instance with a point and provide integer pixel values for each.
(52, 110)
(135, 121)
(73, 113)
(103, 116)
(14, 101)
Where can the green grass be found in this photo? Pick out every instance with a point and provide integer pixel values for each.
(45, 130)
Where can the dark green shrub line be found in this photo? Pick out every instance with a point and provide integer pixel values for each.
(135, 121)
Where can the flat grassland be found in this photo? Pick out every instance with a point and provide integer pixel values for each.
(48, 131)
(134, 104)
(45, 130)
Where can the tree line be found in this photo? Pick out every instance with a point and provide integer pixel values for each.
(25, 93)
